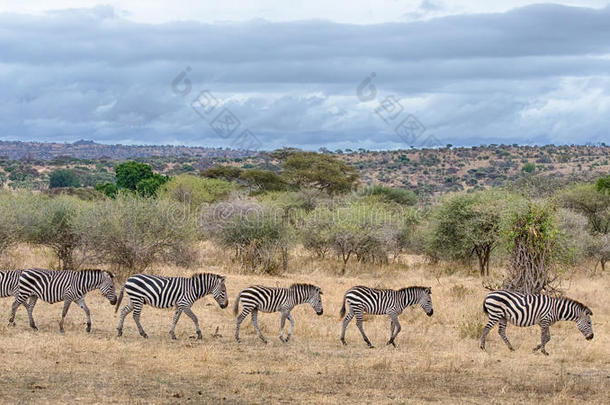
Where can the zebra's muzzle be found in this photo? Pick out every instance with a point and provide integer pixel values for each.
(321, 312)
(223, 306)
(113, 301)
(589, 337)
(430, 313)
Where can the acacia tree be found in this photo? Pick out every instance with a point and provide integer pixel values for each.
(319, 171)
(593, 202)
(468, 224)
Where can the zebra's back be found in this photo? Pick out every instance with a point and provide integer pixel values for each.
(9, 282)
(48, 285)
(156, 291)
(372, 300)
(518, 309)
(265, 299)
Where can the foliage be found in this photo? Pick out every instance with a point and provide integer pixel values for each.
(195, 191)
(108, 189)
(148, 187)
(391, 194)
(528, 168)
(602, 185)
(132, 232)
(259, 181)
(259, 237)
(321, 171)
(129, 174)
(534, 243)
(468, 224)
(63, 178)
(50, 222)
(12, 207)
(584, 198)
(227, 173)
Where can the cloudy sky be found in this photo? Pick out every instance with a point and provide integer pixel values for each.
(267, 74)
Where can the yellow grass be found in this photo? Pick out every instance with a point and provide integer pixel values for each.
(437, 359)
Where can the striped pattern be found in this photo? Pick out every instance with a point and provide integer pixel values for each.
(9, 282)
(360, 300)
(270, 299)
(63, 285)
(527, 310)
(166, 292)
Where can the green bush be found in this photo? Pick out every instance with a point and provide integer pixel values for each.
(195, 191)
(390, 194)
(63, 178)
(133, 232)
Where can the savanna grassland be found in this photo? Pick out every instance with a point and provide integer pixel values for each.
(437, 358)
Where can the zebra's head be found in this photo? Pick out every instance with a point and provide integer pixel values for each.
(107, 286)
(425, 300)
(220, 292)
(309, 293)
(583, 321)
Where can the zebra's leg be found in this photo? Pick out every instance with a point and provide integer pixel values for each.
(291, 319)
(255, 323)
(502, 332)
(176, 317)
(545, 337)
(191, 315)
(137, 310)
(398, 329)
(64, 312)
(282, 323)
(124, 312)
(81, 303)
(486, 329)
(359, 325)
(346, 322)
(19, 300)
(30, 308)
(244, 313)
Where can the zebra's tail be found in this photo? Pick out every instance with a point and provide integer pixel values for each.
(343, 307)
(485, 308)
(118, 301)
(236, 305)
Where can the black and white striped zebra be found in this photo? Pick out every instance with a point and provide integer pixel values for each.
(68, 286)
(9, 283)
(374, 301)
(527, 310)
(273, 299)
(166, 292)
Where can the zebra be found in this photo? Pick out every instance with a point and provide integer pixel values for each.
(166, 292)
(361, 299)
(270, 299)
(526, 310)
(9, 282)
(61, 285)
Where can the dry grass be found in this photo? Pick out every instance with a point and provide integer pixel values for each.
(432, 363)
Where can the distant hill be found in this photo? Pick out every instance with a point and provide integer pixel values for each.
(85, 149)
(425, 171)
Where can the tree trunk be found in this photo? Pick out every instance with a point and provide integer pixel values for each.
(603, 264)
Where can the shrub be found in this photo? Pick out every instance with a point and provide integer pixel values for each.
(132, 232)
(63, 178)
(195, 191)
(50, 222)
(257, 235)
(390, 194)
(12, 206)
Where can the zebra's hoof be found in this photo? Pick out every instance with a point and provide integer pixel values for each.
(511, 349)
(282, 339)
(238, 340)
(61, 331)
(343, 342)
(144, 335)
(35, 328)
(88, 328)
(391, 342)
(119, 333)
(173, 336)
(199, 335)
(545, 352)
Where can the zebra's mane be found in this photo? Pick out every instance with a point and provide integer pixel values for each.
(578, 303)
(303, 285)
(111, 274)
(416, 287)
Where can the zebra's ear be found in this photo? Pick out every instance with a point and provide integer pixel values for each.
(111, 274)
(589, 312)
(429, 290)
(223, 278)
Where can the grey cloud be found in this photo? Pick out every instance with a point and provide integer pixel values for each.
(470, 78)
